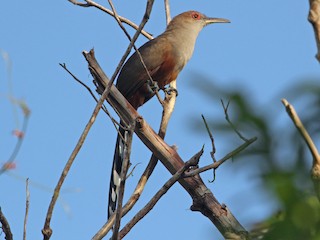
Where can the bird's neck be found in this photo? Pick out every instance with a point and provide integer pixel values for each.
(182, 40)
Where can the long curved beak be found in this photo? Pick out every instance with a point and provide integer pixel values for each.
(209, 20)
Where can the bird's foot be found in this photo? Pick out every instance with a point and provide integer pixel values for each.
(169, 90)
(153, 86)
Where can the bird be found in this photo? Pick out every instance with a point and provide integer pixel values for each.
(164, 58)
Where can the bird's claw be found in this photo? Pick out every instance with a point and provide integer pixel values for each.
(169, 90)
(153, 86)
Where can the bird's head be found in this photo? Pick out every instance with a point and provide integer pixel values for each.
(193, 21)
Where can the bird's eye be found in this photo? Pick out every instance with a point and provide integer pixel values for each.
(195, 16)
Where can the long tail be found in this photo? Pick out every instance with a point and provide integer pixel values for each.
(116, 171)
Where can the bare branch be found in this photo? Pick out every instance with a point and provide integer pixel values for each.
(27, 210)
(213, 147)
(125, 167)
(90, 3)
(114, 122)
(203, 199)
(20, 135)
(147, 208)
(314, 19)
(315, 171)
(225, 108)
(47, 231)
(145, 18)
(216, 164)
(211, 139)
(167, 10)
(5, 226)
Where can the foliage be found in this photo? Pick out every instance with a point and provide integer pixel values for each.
(282, 159)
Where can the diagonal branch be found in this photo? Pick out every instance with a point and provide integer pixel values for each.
(147, 208)
(203, 199)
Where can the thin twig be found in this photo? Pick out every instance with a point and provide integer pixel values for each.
(203, 199)
(225, 108)
(216, 164)
(123, 175)
(136, 49)
(167, 11)
(47, 231)
(133, 40)
(5, 226)
(23, 131)
(147, 208)
(107, 226)
(130, 174)
(104, 108)
(90, 3)
(211, 138)
(27, 210)
(315, 170)
(168, 106)
(213, 146)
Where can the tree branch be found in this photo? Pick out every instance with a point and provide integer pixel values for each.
(125, 167)
(216, 164)
(315, 170)
(5, 226)
(27, 210)
(314, 19)
(90, 3)
(147, 208)
(203, 199)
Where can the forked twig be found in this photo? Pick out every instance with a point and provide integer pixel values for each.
(216, 164)
(225, 108)
(213, 151)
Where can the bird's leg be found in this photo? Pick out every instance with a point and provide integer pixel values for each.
(169, 90)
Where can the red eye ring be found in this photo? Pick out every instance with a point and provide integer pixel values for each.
(195, 16)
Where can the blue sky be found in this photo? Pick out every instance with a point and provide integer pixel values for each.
(268, 47)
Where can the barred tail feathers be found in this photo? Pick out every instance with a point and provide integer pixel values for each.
(116, 173)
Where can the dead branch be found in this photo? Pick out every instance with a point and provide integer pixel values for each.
(203, 199)
(314, 19)
(5, 226)
(19, 134)
(47, 231)
(216, 164)
(64, 66)
(148, 207)
(167, 10)
(315, 170)
(225, 108)
(90, 3)
(27, 210)
(125, 167)
(132, 41)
